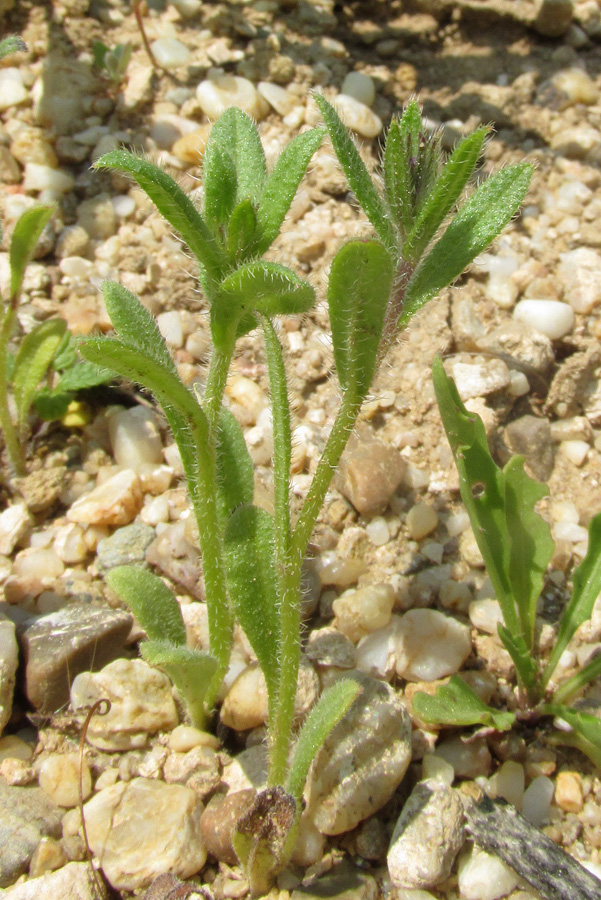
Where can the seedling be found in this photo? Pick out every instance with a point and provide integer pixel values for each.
(517, 547)
(251, 559)
(113, 61)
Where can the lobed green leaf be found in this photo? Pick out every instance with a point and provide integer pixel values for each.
(23, 243)
(152, 603)
(12, 44)
(32, 362)
(51, 405)
(457, 704)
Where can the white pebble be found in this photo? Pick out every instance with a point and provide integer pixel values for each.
(43, 178)
(12, 90)
(170, 326)
(575, 451)
(359, 86)
(358, 117)
(435, 767)
(430, 645)
(359, 612)
(278, 97)
(550, 317)
(422, 520)
(580, 272)
(157, 510)
(69, 544)
(569, 531)
(484, 877)
(59, 778)
(518, 384)
(501, 290)
(377, 531)
(457, 523)
(485, 614)
(219, 92)
(37, 562)
(376, 651)
(135, 437)
(187, 8)
(123, 205)
(76, 268)
(170, 53)
(15, 524)
(537, 801)
(508, 783)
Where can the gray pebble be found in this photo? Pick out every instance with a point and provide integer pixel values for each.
(127, 546)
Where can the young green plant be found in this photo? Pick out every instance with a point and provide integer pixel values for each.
(517, 547)
(252, 560)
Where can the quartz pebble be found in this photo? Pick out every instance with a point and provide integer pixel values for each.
(359, 612)
(422, 520)
(580, 273)
(537, 799)
(359, 86)
(44, 178)
(278, 97)
(186, 737)
(73, 881)
(508, 783)
(468, 760)
(12, 90)
(219, 92)
(377, 531)
(480, 379)
(15, 524)
(550, 317)
(575, 451)
(483, 876)
(143, 828)
(9, 661)
(358, 117)
(135, 438)
(170, 53)
(116, 501)
(59, 778)
(568, 792)
(575, 86)
(245, 705)
(430, 645)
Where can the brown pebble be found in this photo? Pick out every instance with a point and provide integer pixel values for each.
(370, 473)
(568, 792)
(218, 821)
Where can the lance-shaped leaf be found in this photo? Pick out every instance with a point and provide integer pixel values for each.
(220, 183)
(586, 735)
(252, 584)
(589, 673)
(172, 203)
(456, 703)
(235, 469)
(134, 323)
(358, 291)
(398, 180)
(23, 243)
(260, 837)
(242, 228)
(358, 176)
(445, 193)
(586, 589)
(333, 704)
(33, 359)
(235, 135)
(152, 603)
(190, 671)
(282, 183)
(523, 661)
(477, 223)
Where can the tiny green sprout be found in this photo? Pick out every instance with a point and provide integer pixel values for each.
(517, 547)
(112, 61)
(252, 559)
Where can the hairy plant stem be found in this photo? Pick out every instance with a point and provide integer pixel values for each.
(7, 427)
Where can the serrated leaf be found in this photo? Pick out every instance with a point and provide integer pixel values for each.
(172, 203)
(586, 589)
(220, 184)
(331, 707)
(235, 470)
(190, 671)
(51, 405)
(456, 704)
(23, 243)
(152, 603)
(360, 283)
(241, 233)
(235, 135)
(135, 325)
(282, 183)
(358, 177)
(252, 583)
(475, 226)
(32, 362)
(446, 192)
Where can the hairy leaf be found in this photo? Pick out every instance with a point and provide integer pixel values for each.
(32, 362)
(135, 325)
(51, 405)
(525, 664)
(190, 671)
(358, 291)
(83, 375)
(456, 703)
(220, 182)
(235, 470)
(260, 837)
(241, 232)
(23, 243)
(152, 603)
(236, 136)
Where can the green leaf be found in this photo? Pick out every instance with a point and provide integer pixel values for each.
(241, 233)
(587, 730)
(12, 44)
(23, 243)
(236, 136)
(99, 51)
(152, 603)
(173, 204)
(66, 355)
(333, 704)
(220, 184)
(445, 193)
(589, 673)
(51, 405)
(235, 471)
(281, 185)
(475, 226)
(252, 583)
(397, 172)
(456, 703)
(133, 322)
(83, 375)
(33, 360)
(358, 291)
(358, 176)
(190, 671)
(520, 653)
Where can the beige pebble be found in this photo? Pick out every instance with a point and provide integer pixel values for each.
(59, 778)
(186, 737)
(116, 501)
(359, 612)
(568, 792)
(421, 520)
(190, 148)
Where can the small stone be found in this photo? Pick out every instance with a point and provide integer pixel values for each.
(553, 17)
(69, 544)
(427, 837)
(170, 53)
(370, 472)
(26, 815)
(220, 92)
(530, 436)
(12, 90)
(377, 531)
(13, 747)
(480, 379)
(353, 775)
(328, 647)
(44, 178)
(9, 661)
(508, 782)
(358, 117)
(422, 519)
(430, 645)
(218, 821)
(60, 645)
(575, 451)
(468, 760)
(580, 272)
(142, 828)
(549, 317)
(246, 704)
(190, 148)
(60, 778)
(74, 881)
(114, 502)
(359, 612)
(359, 86)
(126, 546)
(537, 801)
(141, 704)
(579, 142)
(568, 792)
(97, 217)
(186, 737)
(187, 8)
(529, 347)
(575, 86)
(344, 884)
(16, 523)
(247, 770)
(49, 856)
(485, 614)
(483, 876)
(198, 769)
(278, 97)
(10, 173)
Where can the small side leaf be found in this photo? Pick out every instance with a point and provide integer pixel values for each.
(190, 671)
(51, 405)
(235, 469)
(456, 703)
(586, 589)
(152, 603)
(358, 291)
(241, 232)
(400, 159)
(33, 359)
(282, 183)
(333, 704)
(586, 735)
(475, 226)
(266, 287)
(220, 184)
(252, 583)
(23, 243)
(133, 322)
(82, 376)
(358, 176)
